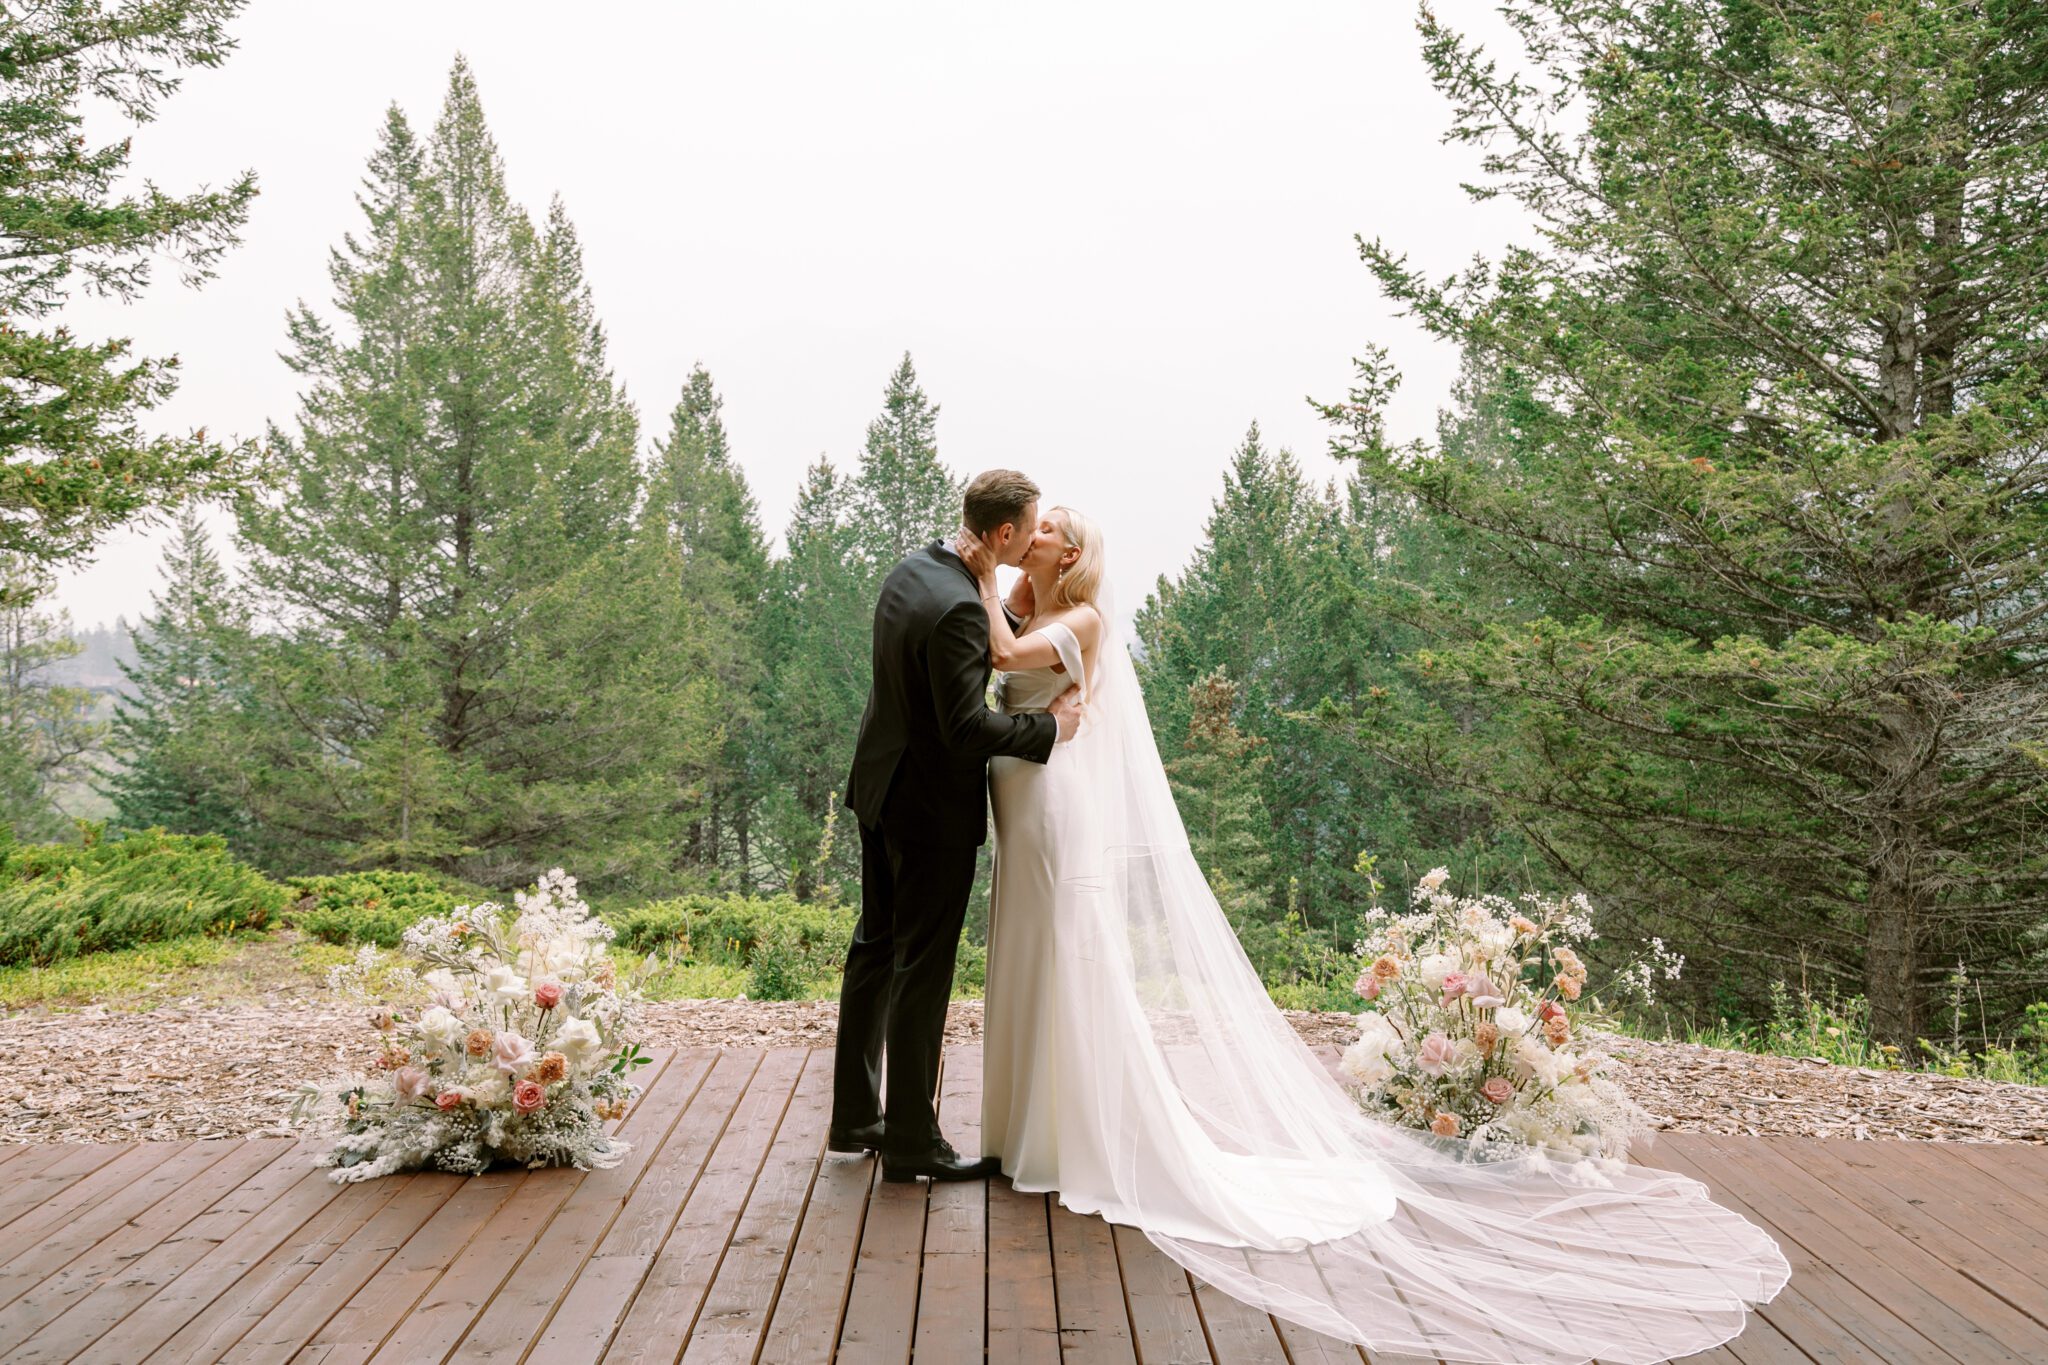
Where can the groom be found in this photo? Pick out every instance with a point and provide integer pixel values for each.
(919, 788)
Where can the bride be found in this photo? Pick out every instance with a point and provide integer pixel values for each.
(1134, 1064)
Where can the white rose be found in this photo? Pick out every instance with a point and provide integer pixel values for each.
(1375, 1033)
(577, 1039)
(1433, 969)
(505, 984)
(1510, 1020)
(1365, 1062)
(442, 1030)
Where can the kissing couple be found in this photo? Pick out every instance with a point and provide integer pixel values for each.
(1133, 1063)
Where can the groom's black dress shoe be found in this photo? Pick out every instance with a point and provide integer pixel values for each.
(866, 1138)
(937, 1162)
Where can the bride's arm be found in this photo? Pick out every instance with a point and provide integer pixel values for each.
(1006, 649)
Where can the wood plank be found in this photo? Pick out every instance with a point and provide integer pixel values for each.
(1237, 1331)
(1968, 1322)
(66, 1283)
(24, 1159)
(1166, 1329)
(110, 1303)
(1023, 1311)
(532, 1290)
(1303, 1345)
(296, 1317)
(358, 1328)
(1820, 1303)
(1095, 1326)
(119, 1201)
(803, 1325)
(664, 1309)
(449, 1309)
(1914, 1202)
(590, 1312)
(737, 1309)
(218, 1324)
(2009, 1197)
(881, 1302)
(52, 1195)
(953, 1280)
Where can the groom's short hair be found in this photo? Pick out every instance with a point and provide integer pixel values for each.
(996, 497)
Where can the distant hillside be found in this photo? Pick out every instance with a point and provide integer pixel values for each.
(103, 649)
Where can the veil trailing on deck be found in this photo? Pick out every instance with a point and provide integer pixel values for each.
(1240, 1155)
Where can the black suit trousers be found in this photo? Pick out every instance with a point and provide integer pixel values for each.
(899, 976)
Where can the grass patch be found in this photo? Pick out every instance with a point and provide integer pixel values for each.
(127, 978)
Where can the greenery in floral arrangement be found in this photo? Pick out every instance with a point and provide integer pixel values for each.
(374, 907)
(511, 1042)
(1475, 1032)
(61, 900)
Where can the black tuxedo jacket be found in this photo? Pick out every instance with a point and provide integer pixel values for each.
(920, 766)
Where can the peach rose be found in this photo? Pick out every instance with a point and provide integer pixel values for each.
(1568, 987)
(1549, 1010)
(1498, 1090)
(1522, 925)
(1445, 1124)
(478, 1042)
(547, 994)
(1487, 1035)
(1557, 1030)
(553, 1067)
(528, 1096)
(448, 1099)
(1386, 967)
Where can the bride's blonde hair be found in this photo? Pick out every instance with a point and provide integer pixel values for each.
(1080, 581)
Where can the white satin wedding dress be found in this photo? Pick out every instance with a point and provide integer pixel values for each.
(1133, 1063)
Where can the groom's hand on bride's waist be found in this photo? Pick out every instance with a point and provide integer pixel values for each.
(1066, 709)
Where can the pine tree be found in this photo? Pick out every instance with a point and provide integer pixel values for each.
(1216, 779)
(517, 691)
(1771, 480)
(172, 732)
(820, 623)
(48, 739)
(74, 459)
(699, 501)
(903, 497)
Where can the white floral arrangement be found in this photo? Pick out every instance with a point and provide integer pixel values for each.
(1473, 1034)
(509, 1042)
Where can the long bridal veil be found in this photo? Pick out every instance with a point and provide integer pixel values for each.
(1392, 1241)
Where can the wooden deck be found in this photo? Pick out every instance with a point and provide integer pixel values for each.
(728, 1237)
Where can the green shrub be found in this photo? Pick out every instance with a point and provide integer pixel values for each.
(785, 946)
(62, 900)
(374, 907)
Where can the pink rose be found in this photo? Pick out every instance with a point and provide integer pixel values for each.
(547, 994)
(1454, 986)
(1498, 1090)
(511, 1053)
(1484, 993)
(528, 1096)
(411, 1082)
(448, 1099)
(1368, 986)
(1550, 1009)
(1436, 1054)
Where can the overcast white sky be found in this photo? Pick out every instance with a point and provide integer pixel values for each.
(1111, 234)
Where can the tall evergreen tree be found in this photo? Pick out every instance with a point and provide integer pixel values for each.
(1772, 479)
(171, 733)
(699, 500)
(820, 624)
(508, 687)
(74, 459)
(903, 497)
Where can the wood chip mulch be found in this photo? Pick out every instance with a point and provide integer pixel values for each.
(96, 1075)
